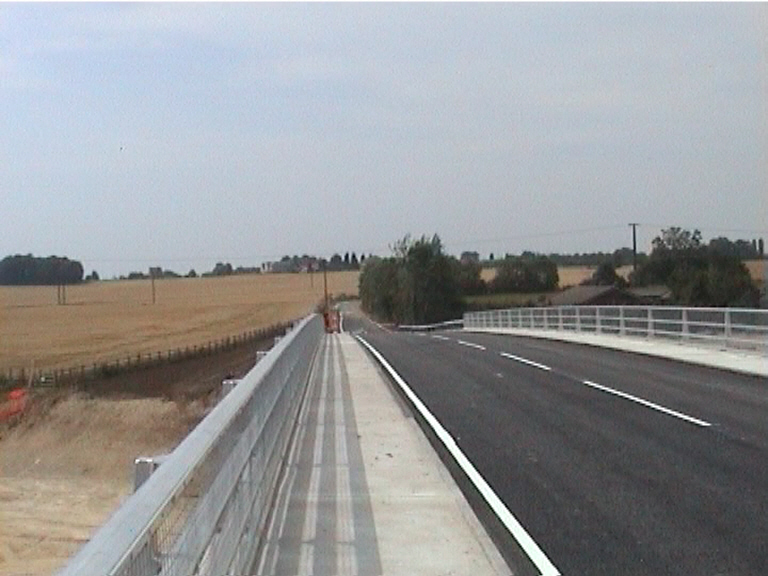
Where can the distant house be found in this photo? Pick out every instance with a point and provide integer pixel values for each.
(652, 295)
(593, 296)
(470, 257)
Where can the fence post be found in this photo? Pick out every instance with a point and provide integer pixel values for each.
(685, 324)
(597, 320)
(649, 331)
(622, 326)
(578, 318)
(727, 327)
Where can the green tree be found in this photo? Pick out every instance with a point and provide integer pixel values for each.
(698, 275)
(29, 270)
(469, 274)
(526, 273)
(606, 275)
(417, 285)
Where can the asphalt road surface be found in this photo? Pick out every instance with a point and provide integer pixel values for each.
(614, 463)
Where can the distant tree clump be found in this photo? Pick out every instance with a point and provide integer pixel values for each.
(221, 269)
(30, 270)
(697, 274)
(417, 285)
(468, 271)
(526, 273)
(606, 275)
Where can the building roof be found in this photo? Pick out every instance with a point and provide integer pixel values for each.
(657, 292)
(585, 295)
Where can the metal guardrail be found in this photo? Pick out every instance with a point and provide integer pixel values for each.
(449, 325)
(732, 328)
(202, 511)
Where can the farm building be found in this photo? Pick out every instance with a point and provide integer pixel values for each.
(593, 296)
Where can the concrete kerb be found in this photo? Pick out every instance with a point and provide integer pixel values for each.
(751, 364)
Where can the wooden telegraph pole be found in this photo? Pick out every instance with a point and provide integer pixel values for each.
(634, 226)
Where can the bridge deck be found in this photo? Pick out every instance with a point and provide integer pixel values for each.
(364, 492)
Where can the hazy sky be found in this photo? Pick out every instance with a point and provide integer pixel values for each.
(179, 135)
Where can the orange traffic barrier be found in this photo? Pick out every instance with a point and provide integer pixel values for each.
(15, 403)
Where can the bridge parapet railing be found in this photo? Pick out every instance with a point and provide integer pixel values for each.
(730, 328)
(202, 511)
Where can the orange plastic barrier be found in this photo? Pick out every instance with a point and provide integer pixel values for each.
(332, 320)
(15, 403)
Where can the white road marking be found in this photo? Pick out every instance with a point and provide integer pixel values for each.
(648, 404)
(471, 345)
(525, 361)
(439, 337)
(529, 546)
(383, 328)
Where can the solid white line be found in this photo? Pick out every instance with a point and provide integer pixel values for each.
(524, 361)
(537, 556)
(471, 345)
(438, 337)
(648, 404)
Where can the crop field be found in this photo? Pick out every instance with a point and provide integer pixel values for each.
(110, 320)
(574, 275)
(568, 275)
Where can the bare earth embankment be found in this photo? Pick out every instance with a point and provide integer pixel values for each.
(68, 462)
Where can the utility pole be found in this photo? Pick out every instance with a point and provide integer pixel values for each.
(634, 245)
(325, 285)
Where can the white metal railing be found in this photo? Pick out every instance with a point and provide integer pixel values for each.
(448, 325)
(203, 510)
(732, 328)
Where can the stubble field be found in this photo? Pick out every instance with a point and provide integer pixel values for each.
(107, 321)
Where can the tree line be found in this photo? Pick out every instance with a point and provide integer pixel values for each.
(698, 274)
(30, 270)
(420, 284)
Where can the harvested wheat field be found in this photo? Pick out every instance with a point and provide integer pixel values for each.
(757, 270)
(568, 275)
(105, 321)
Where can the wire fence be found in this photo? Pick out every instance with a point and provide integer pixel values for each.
(61, 377)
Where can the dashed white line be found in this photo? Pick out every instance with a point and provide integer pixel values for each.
(648, 404)
(526, 361)
(471, 345)
(439, 337)
(532, 550)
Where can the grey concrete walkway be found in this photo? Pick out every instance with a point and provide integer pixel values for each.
(752, 363)
(364, 492)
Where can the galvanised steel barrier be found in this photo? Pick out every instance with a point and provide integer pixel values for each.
(731, 328)
(202, 512)
(449, 325)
